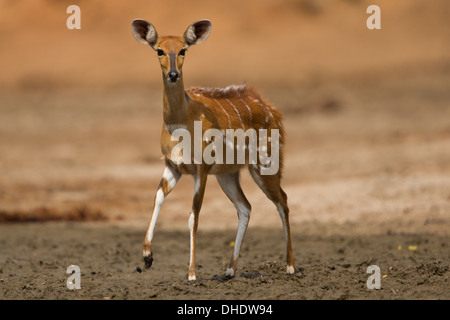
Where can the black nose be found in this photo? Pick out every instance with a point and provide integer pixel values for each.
(173, 75)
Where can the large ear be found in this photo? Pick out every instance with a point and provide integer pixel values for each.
(144, 32)
(197, 32)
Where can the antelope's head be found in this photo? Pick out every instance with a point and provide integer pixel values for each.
(171, 49)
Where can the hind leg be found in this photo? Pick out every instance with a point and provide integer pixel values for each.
(270, 185)
(231, 186)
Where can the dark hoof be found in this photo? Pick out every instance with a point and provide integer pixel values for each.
(148, 261)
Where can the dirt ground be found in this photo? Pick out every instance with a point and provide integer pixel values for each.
(33, 266)
(367, 168)
(361, 193)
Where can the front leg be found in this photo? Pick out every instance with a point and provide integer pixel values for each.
(199, 191)
(168, 181)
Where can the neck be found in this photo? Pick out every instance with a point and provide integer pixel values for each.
(174, 101)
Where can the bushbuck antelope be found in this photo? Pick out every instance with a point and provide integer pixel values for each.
(234, 107)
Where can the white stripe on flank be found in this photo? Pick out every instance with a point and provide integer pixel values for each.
(268, 109)
(237, 112)
(249, 112)
(228, 116)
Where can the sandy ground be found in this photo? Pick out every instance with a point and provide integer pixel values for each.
(108, 254)
(366, 186)
(367, 168)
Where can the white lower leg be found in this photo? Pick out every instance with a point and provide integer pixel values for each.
(149, 237)
(192, 250)
(159, 199)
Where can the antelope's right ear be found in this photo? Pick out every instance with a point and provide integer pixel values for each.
(144, 32)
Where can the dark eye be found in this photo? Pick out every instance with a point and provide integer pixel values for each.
(160, 52)
(182, 52)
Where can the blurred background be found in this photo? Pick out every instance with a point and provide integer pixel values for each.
(367, 111)
(263, 42)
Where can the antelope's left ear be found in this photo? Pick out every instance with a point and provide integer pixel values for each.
(197, 32)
